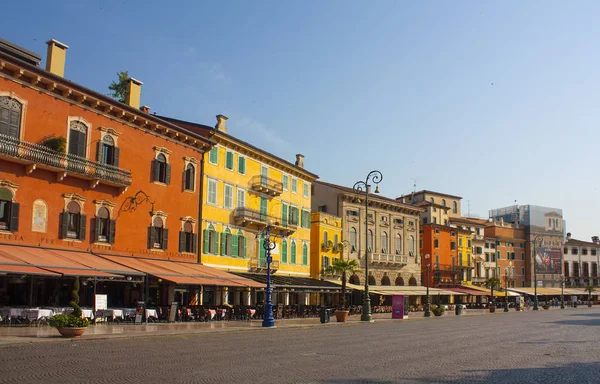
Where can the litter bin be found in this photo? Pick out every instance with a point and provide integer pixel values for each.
(325, 315)
(458, 310)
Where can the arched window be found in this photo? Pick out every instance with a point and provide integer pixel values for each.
(372, 280)
(104, 229)
(369, 240)
(108, 153)
(412, 282)
(411, 245)
(304, 254)
(161, 170)
(211, 240)
(352, 239)
(78, 138)
(444, 202)
(73, 222)
(384, 242)
(454, 207)
(226, 242)
(240, 242)
(325, 262)
(399, 281)
(432, 200)
(10, 117)
(9, 211)
(188, 177)
(293, 253)
(354, 279)
(187, 239)
(436, 243)
(284, 251)
(335, 240)
(398, 244)
(159, 235)
(385, 281)
(325, 239)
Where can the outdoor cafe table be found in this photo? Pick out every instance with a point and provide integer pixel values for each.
(212, 313)
(36, 313)
(112, 313)
(151, 313)
(87, 313)
(251, 312)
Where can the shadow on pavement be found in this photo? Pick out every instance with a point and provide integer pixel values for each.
(590, 322)
(595, 314)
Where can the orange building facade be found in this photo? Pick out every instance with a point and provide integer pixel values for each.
(510, 252)
(82, 172)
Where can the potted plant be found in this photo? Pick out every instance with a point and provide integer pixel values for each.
(546, 306)
(439, 310)
(71, 325)
(492, 283)
(343, 267)
(589, 289)
(56, 143)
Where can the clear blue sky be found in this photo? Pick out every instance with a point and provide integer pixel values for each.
(492, 101)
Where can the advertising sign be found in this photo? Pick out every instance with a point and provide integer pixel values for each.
(398, 307)
(548, 260)
(101, 302)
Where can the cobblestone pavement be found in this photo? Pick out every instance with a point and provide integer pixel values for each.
(518, 347)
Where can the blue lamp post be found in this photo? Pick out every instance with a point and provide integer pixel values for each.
(269, 245)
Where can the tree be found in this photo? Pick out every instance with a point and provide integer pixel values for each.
(492, 283)
(589, 289)
(344, 267)
(119, 88)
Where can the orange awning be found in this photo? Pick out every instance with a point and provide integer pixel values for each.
(81, 272)
(97, 263)
(154, 269)
(233, 280)
(186, 271)
(183, 280)
(25, 270)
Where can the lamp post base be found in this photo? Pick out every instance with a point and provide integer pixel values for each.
(366, 310)
(506, 308)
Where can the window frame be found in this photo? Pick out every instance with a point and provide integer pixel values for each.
(216, 155)
(216, 191)
(231, 202)
(189, 179)
(229, 156)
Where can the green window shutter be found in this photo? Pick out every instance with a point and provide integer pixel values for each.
(234, 246)
(302, 219)
(241, 164)
(499, 256)
(262, 250)
(116, 152)
(229, 160)
(165, 243)
(216, 243)
(284, 252)
(205, 240)
(181, 241)
(82, 226)
(194, 242)
(167, 173)
(96, 229)
(244, 254)
(151, 238)
(155, 171)
(99, 151)
(223, 250)
(14, 217)
(285, 182)
(304, 255)
(293, 255)
(214, 155)
(112, 229)
(284, 214)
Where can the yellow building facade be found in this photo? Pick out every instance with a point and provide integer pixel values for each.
(325, 242)
(465, 254)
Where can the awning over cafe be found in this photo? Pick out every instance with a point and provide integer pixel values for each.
(96, 262)
(540, 291)
(297, 283)
(466, 291)
(12, 269)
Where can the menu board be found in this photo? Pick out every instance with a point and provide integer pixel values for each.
(101, 302)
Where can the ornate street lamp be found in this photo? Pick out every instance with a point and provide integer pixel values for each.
(562, 291)
(268, 245)
(506, 278)
(427, 300)
(535, 239)
(363, 186)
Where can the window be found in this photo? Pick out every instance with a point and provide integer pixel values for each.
(325, 237)
(454, 207)
(566, 250)
(9, 211)
(522, 255)
(226, 243)
(161, 170)
(284, 181)
(437, 230)
(352, 239)
(293, 216)
(239, 245)
(104, 231)
(304, 254)
(437, 261)
(453, 234)
(188, 177)
(574, 251)
(305, 189)
(211, 240)
(335, 241)
(322, 208)
(420, 243)
(241, 198)
(229, 160)
(228, 200)
(212, 191)
(593, 252)
(411, 245)
(241, 165)
(431, 199)
(293, 253)
(107, 152)
(73, 222)
(213, 156)
(498, 256)
(305, 219)
(398, 244)
(435, 220)
(158, 235)
(10, 117)
(352, 213)
(453, 245)
(294, 185)
(384, 242)
(460, 242)
(469, 243)
(187, 240)
(522, 271)
(77, 138)
(284, 251)
(436, 243)
(369, 240)
(398, 221)
(584, 251)
(424, 220)
(444, 202)
(325, 262)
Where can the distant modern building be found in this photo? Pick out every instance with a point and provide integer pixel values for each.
(547, 226)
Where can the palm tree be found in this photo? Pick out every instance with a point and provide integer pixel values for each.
(344, 267)
(589, 289)
(492, 283)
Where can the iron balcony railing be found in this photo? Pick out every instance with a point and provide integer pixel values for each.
(476, 279)
(388, 258)
(30, 153)
(262, 264)
(249, 215)
(264, 184)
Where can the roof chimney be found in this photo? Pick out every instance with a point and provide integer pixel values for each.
(595, 239)
(299, 160)
(221, 119)
(134, 93)
(56, 57)
(145, 108)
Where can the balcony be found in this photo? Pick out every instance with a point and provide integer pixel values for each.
(256, 264)
(476, 279)
(248, 217)
(386, 258)
(36, 156)
(266, 185)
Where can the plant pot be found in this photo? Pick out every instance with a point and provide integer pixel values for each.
(341, 316)
(589, 304)
(492, 308)
(436, 313)
(545, 307)
(71, 332)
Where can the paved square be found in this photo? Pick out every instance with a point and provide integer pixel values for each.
(529, 347)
